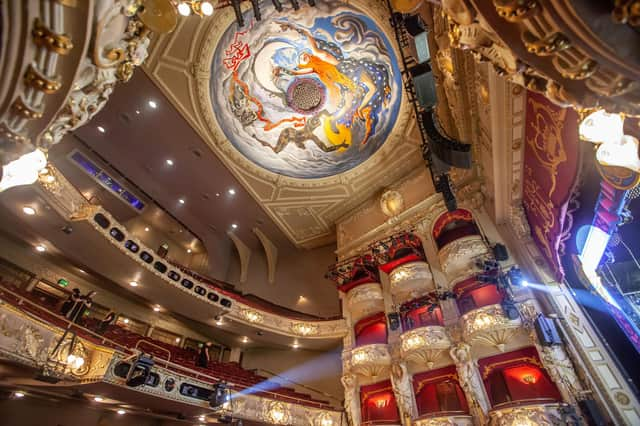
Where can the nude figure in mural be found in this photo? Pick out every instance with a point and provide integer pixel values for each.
(300, 137)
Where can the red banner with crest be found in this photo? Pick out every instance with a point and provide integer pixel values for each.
(551, 162)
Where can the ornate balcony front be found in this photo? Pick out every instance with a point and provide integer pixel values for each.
(458, 258)
(424, 345)
(445, 420)
(533, 415)
(489, 325)
(365, 300)
(411, 280)
(368, 360)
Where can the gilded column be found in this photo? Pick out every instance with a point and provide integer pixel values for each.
(351, 398)
(402, 384)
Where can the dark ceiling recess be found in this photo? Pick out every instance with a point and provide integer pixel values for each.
(439, 152)
(255, 4)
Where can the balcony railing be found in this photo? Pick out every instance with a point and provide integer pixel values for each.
(533, 413)
(424, 345)
(489, 325)
(458, 258)
(368, 360)
(444, 419)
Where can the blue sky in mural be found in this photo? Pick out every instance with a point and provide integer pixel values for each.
(306, 94)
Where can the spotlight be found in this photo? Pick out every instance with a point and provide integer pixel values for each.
(98, 399)
(140, 371)
(18, 394)
(133, 283)
(232, 191)
(121, 412)
(153, 104)
(101, 129)
(525, 283)
(40, 248)
(29, 211)
(219, 396)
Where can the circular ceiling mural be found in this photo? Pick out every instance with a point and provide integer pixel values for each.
(306, 94)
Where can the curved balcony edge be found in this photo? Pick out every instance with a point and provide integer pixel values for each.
(238, 311)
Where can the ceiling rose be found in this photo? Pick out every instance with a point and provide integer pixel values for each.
(309, 93)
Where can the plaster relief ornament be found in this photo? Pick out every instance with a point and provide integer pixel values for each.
(309, 93)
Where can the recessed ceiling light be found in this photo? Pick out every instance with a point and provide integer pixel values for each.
(126, 320)
(189, 251)
(30, 211)
(232, 191)
(18, 394)
(146, 229)
(169, 162)
(40, 248)
(177, 340)
(217, 194)
(98, 398)
(295, 345)
(133, 283)
(234, 226)
(153, 104)
(245, 339)
(201, 418)
(101, 129)
(138, 111)
(156, 308)
(121, 412)
(181, 200)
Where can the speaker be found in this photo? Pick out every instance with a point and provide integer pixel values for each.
(414, 25)
(420, 69)
(547, 332)
(443, 185)
(449, 151)
(591, 412)
(394, 321)
(256, 10)
(219, 396)
(500, 252)
(140, 371)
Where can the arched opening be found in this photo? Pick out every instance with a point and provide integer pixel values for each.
(420, 312)
(438, 392)
(371, 330)
(517, 377)
(472, 294)
(378, 404)
(452, 226)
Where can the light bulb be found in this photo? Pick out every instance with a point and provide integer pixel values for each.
(23, 171)
(184, 9)
(79, 362)
(71, 359)
(601, 127)
(206, 8)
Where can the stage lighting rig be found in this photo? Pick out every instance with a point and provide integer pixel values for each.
(220, 396)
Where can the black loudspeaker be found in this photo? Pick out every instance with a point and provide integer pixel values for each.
(414, 25)
(500, 252)
(443, 186)
(449, 151)
(219, 396)
(238, 11)
(547, 332)
(420, 69)
(394, 321)
(256, 10)
(277, 5)
(591, 413)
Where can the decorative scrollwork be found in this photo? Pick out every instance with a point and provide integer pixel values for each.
(32, 78)
(516, 10)
(44, 37)
(547, 46)
(627, 12)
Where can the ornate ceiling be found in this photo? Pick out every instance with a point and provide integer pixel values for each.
(309, 124)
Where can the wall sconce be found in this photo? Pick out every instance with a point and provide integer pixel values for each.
(381, 403)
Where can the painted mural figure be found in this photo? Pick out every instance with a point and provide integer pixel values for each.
(307, 94)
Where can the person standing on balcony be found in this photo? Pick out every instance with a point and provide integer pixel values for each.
(106, 322)
(203, 356)
(70, 302)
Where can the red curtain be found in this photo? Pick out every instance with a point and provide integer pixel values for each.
(378, 404)
(517, 376)
(438, 391)
(479, 297)
(421, 317)
(371, 330)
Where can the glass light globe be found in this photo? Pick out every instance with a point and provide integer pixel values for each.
(206, 8)
(71, 359)
(601, 127)
(79, 362)
(184, 9)
(23, 171)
